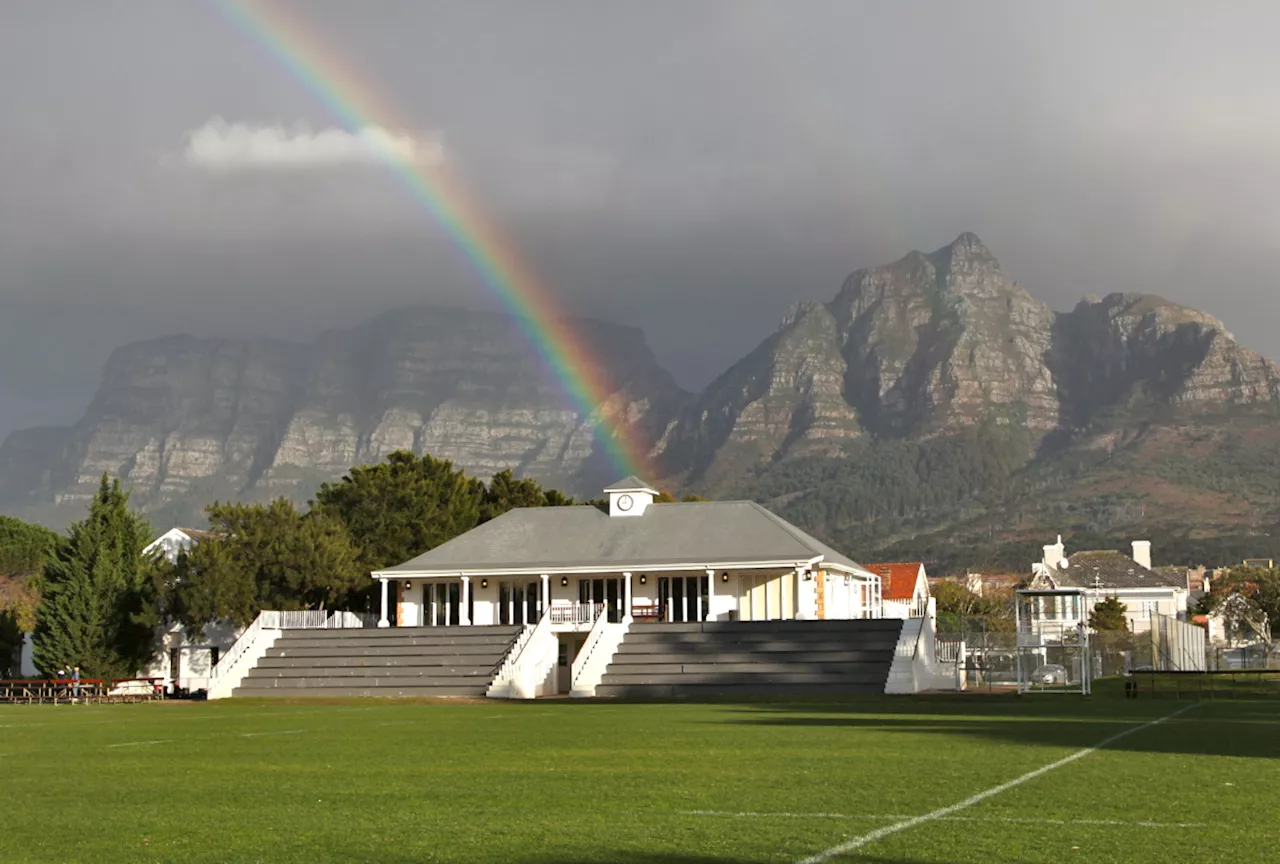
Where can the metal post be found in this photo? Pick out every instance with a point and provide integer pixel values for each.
(383, 622)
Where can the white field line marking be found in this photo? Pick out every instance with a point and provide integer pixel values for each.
(942, 812)
(280, 732)
(142, 743)
(890, 817)
(400, 723)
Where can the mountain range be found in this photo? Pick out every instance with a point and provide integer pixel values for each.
(932, 409)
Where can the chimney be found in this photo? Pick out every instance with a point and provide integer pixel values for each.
(1142, 552)
(1054, 554)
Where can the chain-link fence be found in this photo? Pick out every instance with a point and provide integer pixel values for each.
(990, 653)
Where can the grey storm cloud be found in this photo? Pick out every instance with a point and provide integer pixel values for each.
(691, 168)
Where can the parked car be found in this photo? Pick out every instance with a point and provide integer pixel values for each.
(1050, 674)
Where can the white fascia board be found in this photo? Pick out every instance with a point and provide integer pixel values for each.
(788, 564)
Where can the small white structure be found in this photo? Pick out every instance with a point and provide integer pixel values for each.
(1146, 592)
(584, 574)
(184, 664)
(904, 588)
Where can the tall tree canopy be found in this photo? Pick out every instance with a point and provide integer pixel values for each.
(97, 609)
(402, 506)
(267, 557)
(408, 504)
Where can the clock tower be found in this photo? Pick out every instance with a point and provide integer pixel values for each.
(630, 496)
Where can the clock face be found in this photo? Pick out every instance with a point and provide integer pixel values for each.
(624, 502)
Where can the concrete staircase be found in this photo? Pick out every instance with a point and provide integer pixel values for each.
(723, 658)
(394, 661)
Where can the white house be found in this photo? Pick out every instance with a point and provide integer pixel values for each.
(904, 588)
(636, 561)
(1145, 591)
(181, 663)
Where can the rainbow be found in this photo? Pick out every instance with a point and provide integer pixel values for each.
(354, 106)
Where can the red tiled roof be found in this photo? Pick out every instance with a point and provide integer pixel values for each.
(897, 580)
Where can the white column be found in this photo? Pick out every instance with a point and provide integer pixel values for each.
(435, 607)
(626, 597)
(546, 592)
(711, 595)
(463, 595)
(383, 622)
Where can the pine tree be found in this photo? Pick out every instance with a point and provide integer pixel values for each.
(1108, 616)
(98, 607)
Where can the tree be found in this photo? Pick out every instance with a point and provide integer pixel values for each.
(98, 605)
(504, 492)
(406, 505)
(1108, 616)
(403, 506)
(23, 550)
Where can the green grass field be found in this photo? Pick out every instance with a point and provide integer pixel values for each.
(570, 782)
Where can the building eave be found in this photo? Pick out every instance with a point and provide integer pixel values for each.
(637, 567)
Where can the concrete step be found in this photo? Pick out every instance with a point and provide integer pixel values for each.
(475, 692)
(426, 642)
(279, 650)
(368, 682)
(259, 673)
(860, 625)
(397, 632)
(704, 691)
(407, 661)
(867, 676)
(760, 668)
(654, 646)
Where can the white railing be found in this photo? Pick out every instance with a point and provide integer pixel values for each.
(529, 667)
(302, 619)
(248, 649)
(593, 639)
(947, 651)
(576, 613)
(906, 609)
(350, 621)
(592, 662)
(505, 671)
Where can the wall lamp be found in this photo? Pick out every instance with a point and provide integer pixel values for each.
(564, 580)
(408, 584)
(644, 579)
(724, 577)
(484, 583)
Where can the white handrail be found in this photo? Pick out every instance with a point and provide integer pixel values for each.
(508, 664)
(233, 654)
(593, 639)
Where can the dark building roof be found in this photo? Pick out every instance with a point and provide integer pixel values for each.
(692, 534)
(1109, 569)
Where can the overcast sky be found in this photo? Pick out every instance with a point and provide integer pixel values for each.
(689, 168)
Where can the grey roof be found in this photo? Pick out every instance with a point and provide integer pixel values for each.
(629, 484)
(1114, 570)
(690, 534)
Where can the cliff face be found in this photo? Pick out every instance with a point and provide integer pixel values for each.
(183, 416)
(928, 351)
(935, 343)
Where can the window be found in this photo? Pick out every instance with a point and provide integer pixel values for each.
(213, 656)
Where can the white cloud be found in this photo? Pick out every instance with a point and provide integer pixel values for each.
(220, 145)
